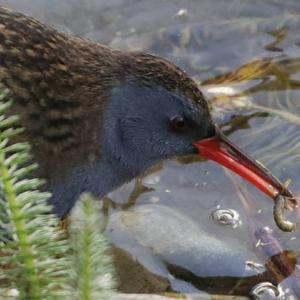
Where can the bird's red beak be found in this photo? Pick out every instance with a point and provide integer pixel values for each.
(221, 150)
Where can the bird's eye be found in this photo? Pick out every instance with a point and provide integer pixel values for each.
(177, 123)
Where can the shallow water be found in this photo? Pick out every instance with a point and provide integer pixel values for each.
(246, 57)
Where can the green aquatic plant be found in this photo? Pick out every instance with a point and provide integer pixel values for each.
(37, 259)
(92, 275)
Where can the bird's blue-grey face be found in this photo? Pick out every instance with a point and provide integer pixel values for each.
(147, 124)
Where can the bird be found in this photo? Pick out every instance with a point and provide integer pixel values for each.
(98, 117)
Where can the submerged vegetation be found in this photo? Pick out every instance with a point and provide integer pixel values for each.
(38, 259)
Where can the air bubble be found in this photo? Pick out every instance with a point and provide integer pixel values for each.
(228, 217)
(265, 290)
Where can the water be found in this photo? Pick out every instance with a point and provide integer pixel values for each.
(245, 55)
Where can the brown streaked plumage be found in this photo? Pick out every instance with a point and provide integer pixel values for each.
(60, 84)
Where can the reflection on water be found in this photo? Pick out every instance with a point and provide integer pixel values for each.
(245, 55)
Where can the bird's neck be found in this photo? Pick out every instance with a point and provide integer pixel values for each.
(97, 177)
